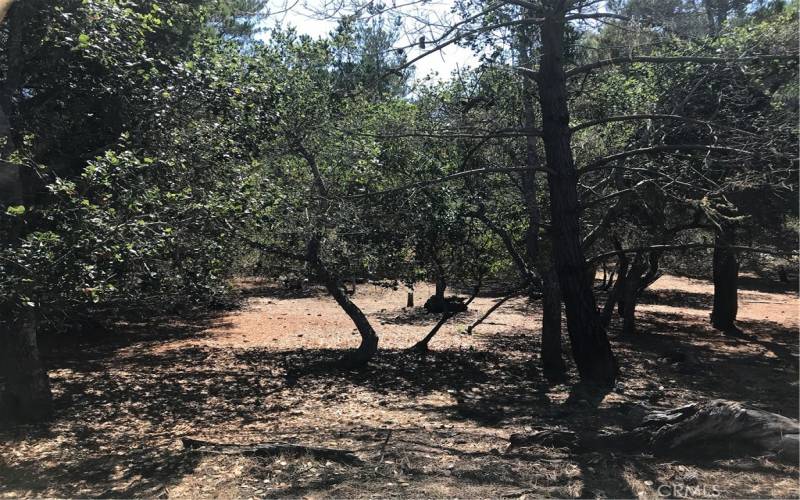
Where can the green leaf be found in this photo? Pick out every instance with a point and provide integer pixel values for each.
(15, 210)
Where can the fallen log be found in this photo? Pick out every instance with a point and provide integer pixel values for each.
(269, 449)
(721, 420)
(713, 426)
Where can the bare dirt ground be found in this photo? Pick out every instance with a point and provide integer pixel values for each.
(432, 426)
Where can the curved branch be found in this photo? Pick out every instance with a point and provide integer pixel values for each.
(673, 60)
(601, 163)
(504, 132)
(622, 118)
(597, 15)
(446, 178)
(684, 246)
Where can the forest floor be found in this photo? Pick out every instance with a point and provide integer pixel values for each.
(432, 426)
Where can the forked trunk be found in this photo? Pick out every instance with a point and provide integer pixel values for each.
(590, 346)
(726, 275)
(27, 395)
(369, 339)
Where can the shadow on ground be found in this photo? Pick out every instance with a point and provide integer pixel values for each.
(121, 404)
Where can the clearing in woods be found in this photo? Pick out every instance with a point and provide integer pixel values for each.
(432, 426)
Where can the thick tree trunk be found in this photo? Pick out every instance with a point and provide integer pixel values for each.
(26, 395)
(369, 339)
(726, 274)
(590, 346)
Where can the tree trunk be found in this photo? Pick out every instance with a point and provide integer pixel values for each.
(630, 294)
(726, 274)
(27, 395)
(615, 295)
(553, 366)
(441, 286)
(369, 339)
(590, 346)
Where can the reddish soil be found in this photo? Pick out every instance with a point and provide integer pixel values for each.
(433, 426)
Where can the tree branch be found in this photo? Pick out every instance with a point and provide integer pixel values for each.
(602, 162)
(685, 246)
(673, 60)
(446, 178)
(622, 118)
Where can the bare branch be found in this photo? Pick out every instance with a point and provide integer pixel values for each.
(685, 246)
(446, 178)
(622, 118)
(602, 163)
(677, 59)
(597, 15)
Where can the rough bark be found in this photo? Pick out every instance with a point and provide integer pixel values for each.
(714, 427)
(590, 347)
(369, 339)
(725, 275)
